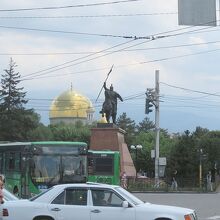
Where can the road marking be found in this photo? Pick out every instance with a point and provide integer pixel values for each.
(214, 217)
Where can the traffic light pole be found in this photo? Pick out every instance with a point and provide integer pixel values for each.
(157, 127)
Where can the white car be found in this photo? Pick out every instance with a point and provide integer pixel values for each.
(90, 201)
(8, 196)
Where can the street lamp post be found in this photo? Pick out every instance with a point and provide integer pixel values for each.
(136, 148)
(200, 167)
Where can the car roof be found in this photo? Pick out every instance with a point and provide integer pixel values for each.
(88, 185)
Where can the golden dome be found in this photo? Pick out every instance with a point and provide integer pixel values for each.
(70, 104)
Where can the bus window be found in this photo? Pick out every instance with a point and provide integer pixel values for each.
(90, 166)
(103, 165)
(13, 161)
(45, 169)
(73, 168)
(1, 162)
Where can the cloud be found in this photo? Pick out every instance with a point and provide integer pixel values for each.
(133, 72)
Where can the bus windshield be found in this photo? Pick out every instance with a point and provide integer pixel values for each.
(54, 169)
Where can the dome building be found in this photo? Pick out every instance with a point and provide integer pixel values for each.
(70, 107)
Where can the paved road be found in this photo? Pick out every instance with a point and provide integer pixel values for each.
(207, 205)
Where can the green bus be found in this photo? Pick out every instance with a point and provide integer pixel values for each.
(35, 166)
(104, 166)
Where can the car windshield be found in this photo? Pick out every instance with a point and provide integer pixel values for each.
(128, 196)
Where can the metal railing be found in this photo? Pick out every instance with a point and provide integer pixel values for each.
(163, 185)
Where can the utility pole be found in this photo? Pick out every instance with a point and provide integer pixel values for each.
(157, 127)
(152, 98)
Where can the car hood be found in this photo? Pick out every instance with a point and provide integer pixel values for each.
(164, 209)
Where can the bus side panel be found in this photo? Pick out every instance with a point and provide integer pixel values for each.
(114, 178)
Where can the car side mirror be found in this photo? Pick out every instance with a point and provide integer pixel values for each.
(125, 204)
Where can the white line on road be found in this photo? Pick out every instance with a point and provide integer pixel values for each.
(214, 217)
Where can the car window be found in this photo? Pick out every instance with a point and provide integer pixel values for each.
(72, 197)
(59, 199)
(106, 198)
(76, 197)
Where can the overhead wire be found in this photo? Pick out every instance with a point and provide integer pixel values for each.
(72, 106)
(126, 50)
(110, 35)
(57, 67)
(44, 75)
(67, 6)
(73, 32)
(141, 94)
(153, 37)
(178, 57)
(89, 16)
(191, 90)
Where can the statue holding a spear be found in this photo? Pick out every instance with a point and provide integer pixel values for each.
(109, 107)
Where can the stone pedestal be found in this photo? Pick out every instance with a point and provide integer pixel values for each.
(108, 136)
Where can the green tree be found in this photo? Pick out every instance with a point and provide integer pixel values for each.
(199, 132)
(147, 140)
(127, 125)
(145, 125)
(184, 159)
(210, 143)
(41, 133)
(71, 132)
(144, 161)
(15, 120)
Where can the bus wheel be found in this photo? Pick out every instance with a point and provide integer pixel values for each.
(43, 218)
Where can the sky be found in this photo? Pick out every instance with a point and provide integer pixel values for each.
(59, 43)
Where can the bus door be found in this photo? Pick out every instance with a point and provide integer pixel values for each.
(12, 169)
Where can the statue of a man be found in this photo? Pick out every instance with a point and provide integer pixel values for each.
(109, 106)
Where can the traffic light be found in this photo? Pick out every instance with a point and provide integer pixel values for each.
(148, 106)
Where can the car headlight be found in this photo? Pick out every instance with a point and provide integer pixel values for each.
(191, 216)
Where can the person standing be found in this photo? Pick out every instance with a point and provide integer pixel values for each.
(174, 184)
(1, 189)
(124, 180)
(209, 181)
(16, 191)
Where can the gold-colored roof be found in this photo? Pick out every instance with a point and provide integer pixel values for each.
(70, 104)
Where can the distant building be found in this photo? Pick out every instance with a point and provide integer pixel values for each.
(70, 107)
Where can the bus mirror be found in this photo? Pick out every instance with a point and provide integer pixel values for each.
(36, 150)
(83, 150)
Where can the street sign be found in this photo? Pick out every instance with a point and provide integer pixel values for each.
(152, 154)
(163, 161)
